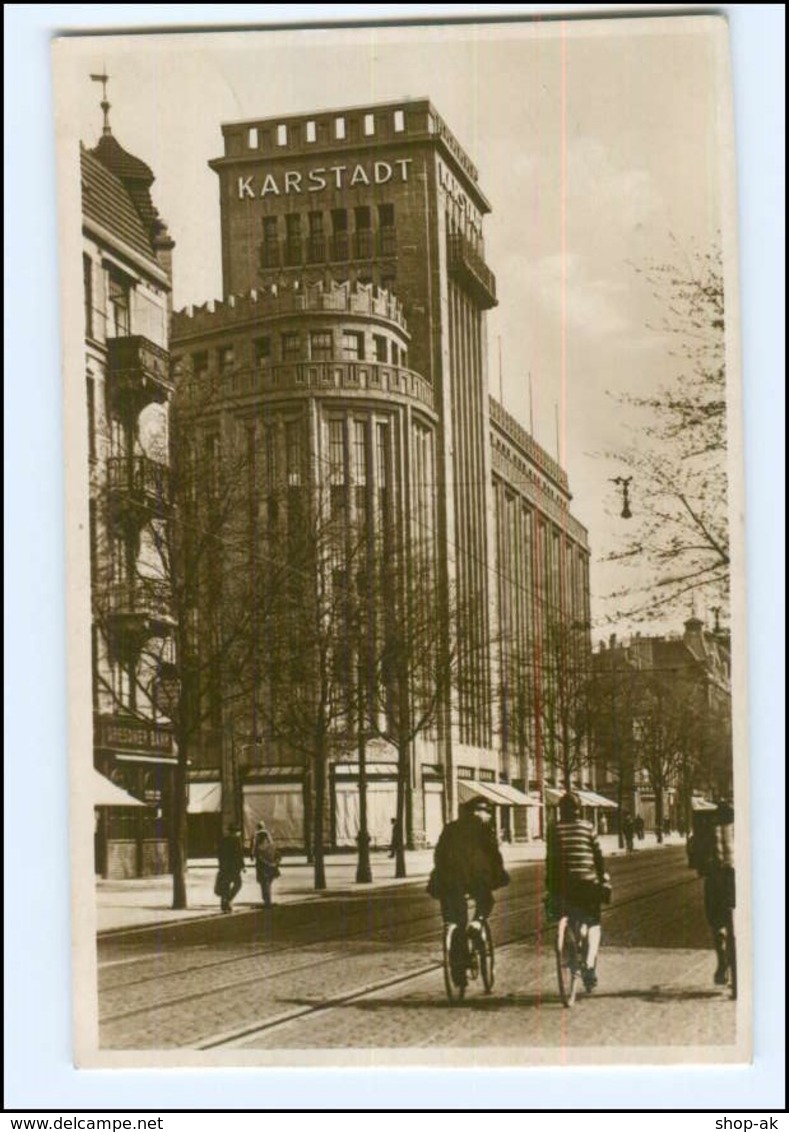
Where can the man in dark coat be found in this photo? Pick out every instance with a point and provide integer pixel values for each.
(468, 862)
(231, 865)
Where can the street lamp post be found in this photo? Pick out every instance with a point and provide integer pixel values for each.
(364, 873)
(624, 482)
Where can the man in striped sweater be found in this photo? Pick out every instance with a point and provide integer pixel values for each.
(575, 875)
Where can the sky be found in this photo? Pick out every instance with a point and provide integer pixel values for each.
(598, 144)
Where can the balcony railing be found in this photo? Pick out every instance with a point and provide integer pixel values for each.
(124, 733)
(139, 371)
(141, 606)
(373, 378)
(141, 479)
(340, 248)
(468, 266)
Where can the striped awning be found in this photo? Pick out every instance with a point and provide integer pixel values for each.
(497, 793)
(106, 793)
(205, 798)
(587, 797)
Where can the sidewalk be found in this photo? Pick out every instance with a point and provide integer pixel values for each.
(139, 903)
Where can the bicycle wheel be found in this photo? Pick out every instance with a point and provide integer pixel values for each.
(484, 946)
(731, 952)
(454, 992)
(566, 962)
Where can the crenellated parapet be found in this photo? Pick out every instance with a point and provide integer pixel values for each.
(321, 297)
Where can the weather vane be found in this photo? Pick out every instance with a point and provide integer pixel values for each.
(104, 78)
(624, 482)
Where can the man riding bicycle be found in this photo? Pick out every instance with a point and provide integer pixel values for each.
(468, 862)
(575, 876)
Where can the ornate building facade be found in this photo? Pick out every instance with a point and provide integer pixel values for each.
(348, 357)
(127, 280)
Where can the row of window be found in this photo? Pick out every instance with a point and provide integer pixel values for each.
(320, 346)
(362, 218)
(286, 134)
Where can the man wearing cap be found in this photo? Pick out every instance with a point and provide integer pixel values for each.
(467, 862)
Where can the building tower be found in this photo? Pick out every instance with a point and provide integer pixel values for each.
(385, 195)
(355, 291)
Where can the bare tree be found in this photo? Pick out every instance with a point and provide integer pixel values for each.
(308, 695)
(679, 527)
(664, 733)
(170, 528)
(547, 700)
(416, 665)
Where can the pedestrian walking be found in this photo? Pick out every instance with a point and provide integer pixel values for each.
(230, 854)
(266, 862)
(628, 829)
(638, 826)
(396, 841)
(712, 855)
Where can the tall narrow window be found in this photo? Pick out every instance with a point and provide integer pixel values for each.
(91, 419)
(293, 447)
(291, 347)
(386, 229)
(200, 364)
(339, 239)
(337, 468)
(379, 341)
(293, 239)
(120, 303)
(282, 134)
(363, 236)
(316, 251)
(211, 452)
(360, 472)
(359, 453)
(369, 125)
(399, 121)
(87, 287)
(311, 135)
(262, 351)
(339, 129)
(227, 358)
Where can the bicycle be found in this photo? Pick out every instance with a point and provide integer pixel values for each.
(572, 943)
(572, 947)
(479, 955)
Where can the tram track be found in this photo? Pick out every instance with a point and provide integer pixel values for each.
(525, 907)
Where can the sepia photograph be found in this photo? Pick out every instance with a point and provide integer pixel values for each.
(405, 545)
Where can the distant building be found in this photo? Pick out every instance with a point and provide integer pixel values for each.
(127, 283)
(664, 722)
(350, 350)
